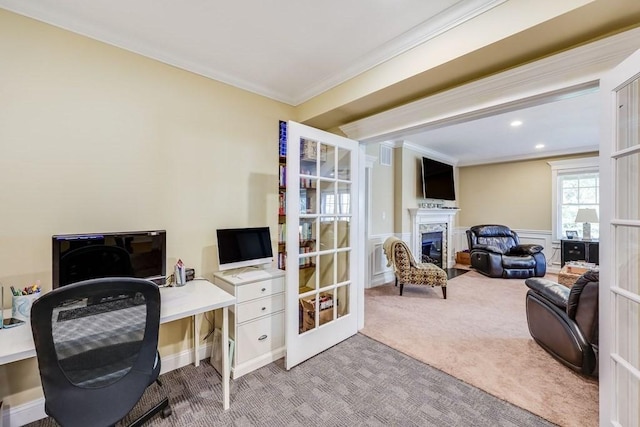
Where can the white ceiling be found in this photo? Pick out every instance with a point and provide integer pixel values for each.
(292, 51)
(569, 125)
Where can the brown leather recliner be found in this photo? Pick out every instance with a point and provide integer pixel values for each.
(565, 321)
(495, 251)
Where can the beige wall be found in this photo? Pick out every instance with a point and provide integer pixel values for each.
(517, 194)
(94, 138)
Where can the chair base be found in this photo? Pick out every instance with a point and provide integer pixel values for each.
(163, 406)
(444, 289)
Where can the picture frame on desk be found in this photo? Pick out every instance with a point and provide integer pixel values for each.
(572, 234)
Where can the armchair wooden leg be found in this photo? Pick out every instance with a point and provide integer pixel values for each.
(396, 281)
(444, 292)
(401, 286)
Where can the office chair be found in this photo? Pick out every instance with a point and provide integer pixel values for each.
(97, 349)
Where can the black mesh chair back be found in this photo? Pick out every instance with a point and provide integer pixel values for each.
(96, 344)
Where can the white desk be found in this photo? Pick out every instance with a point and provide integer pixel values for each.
(191, 300)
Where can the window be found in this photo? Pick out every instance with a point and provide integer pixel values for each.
(576, 185)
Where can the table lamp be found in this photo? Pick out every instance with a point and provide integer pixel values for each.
(586, 216)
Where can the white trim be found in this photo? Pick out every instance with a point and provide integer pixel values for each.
(23, 414)
(561, 167)
(568, 73)
(257, 362)
(429, 153)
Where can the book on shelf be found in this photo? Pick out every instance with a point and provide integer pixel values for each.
(283, 139)
(282, 179)
(282, 204)
(282, 233)
(282, 260)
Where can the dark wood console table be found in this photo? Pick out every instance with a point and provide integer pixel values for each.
(579, 250)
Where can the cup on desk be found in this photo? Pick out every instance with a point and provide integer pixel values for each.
(180, 276)
(21, 306)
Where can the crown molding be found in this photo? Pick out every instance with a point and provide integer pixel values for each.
(441, 23)
(563, 74)
(432, 154)
(427, 30)
(533, 156)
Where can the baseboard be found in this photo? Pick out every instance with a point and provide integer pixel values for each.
(258, 362)
(34, 410)
(382, 278)
(23, 414)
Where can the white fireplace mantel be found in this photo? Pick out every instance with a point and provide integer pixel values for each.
(422, 216)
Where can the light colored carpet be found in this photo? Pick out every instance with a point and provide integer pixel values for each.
(479, 334)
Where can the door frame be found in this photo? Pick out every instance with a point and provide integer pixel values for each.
(546, 80)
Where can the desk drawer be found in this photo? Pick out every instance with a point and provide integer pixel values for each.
(259, 289)
(259, 337)
(259, 307)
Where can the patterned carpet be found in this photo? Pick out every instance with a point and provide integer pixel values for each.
(357, 382)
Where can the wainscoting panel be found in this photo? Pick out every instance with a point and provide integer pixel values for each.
(379, 272)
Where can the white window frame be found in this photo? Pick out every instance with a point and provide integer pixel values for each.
(562, 167)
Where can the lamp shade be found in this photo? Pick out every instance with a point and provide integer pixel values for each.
(586, 215)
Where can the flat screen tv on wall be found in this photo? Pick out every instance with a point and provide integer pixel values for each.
(244, 247)
(140, 254)
(437, 180)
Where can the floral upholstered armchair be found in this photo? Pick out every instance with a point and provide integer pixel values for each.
(408, 271)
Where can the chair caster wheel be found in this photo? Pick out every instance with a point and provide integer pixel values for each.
(166, 412)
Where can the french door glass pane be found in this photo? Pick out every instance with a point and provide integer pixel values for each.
(627, 255)
(344, 231)
(344, 164)
(628, 180)
(627, 345)
(307, 275)
(327, 234)
(326, 267)
(316, 309)
(307, 233)
(344, 198)
(628, 112)
(308, 199)
(342, 298)
(343, 266)
(328, 198)
(327, 161)
(628, 394)
(326, 313)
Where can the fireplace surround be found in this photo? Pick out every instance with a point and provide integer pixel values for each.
(432, 235)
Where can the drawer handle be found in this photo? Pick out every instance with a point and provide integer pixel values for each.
(262, 338)
(264, 289)
(264, 308)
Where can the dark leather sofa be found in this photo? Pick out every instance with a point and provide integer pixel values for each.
(495, 251)
(564, 321)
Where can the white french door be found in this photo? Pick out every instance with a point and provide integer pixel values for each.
(620, 246)
(321, 241)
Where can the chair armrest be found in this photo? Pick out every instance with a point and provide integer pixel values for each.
(552, 292)
(528, 249)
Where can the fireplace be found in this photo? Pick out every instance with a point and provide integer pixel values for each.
(431, 237)
(432, 248)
